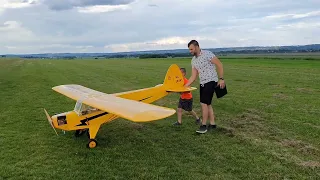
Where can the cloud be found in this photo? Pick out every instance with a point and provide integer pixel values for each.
(102, 8)
(159, 44)
(293, 16)
(69, 4)
(16, 4)
(62, 48)
(11, 4)
(113, 26)
(13, 31)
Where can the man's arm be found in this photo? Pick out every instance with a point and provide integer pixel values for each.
(219, 65)
(192, 78)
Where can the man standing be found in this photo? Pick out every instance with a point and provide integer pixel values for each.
(204, 64)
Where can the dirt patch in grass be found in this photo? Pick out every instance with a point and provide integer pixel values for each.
(294, 159)
(312, 125)
(226, 130)
(313, 164)
(281, 96)
(250, 119)
(271, 105)
(302, 147)
(251, 125)
(241, 80)
(275, 85)
(305, 90)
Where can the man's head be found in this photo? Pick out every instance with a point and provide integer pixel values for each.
(194, 47)
(184, 71)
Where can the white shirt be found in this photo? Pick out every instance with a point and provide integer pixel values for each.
(207, 70)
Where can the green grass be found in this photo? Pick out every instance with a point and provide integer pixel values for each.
(269, 124)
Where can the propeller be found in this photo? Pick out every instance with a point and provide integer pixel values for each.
(50, 121)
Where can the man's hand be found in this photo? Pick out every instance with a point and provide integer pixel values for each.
(221, 83)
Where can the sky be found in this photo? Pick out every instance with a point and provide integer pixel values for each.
(60, 26)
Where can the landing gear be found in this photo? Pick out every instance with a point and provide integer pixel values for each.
(80, 132)
(91, 134)
(92, 143)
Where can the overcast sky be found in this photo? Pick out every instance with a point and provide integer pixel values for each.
(48, 26)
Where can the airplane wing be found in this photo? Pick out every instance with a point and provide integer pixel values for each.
(126, 108)
(76, 92)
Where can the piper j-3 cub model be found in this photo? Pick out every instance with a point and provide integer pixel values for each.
(94, 108)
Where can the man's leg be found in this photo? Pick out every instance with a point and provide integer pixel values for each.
(210, 109)
(204, 109)
(205, 99)
(211, 115)
(203, 126)
(212, 124)
(205, 113)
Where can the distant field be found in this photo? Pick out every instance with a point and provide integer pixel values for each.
(268, 124)
(278, 56)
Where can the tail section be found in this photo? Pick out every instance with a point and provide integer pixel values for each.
(174, 81)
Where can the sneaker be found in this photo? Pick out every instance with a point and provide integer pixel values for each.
(212, 126)
(198, 121)
(202, 129)
(177, 124)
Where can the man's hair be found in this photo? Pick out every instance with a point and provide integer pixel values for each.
(183, 70)
(194, 42)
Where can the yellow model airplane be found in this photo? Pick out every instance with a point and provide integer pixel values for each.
(94, 108)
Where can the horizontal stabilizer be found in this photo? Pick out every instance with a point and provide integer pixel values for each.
(181, 89)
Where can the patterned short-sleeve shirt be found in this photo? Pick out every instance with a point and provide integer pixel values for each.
(207, 70)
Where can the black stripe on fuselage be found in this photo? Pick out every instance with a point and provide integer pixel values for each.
(83, 122)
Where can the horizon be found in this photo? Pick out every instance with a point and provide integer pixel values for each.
(122, 26)
(153, 50)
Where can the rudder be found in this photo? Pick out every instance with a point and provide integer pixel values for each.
(174, 81)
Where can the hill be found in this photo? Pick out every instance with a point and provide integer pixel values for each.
(177, 52)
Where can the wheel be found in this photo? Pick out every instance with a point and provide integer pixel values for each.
(79, 133)
(92, 143)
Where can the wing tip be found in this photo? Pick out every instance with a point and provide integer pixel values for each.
(153, 115)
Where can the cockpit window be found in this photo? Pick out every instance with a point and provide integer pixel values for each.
(82, 109)
(77, 107)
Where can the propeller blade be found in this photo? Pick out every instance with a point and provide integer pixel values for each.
(50, 120)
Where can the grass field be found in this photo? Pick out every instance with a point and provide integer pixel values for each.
(268, 124)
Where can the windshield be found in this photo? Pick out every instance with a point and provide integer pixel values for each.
(82, 109)
(77, 107)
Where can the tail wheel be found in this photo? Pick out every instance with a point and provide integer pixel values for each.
(92, 143)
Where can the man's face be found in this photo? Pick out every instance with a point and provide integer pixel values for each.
(193, 49)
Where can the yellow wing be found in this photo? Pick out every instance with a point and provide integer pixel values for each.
(126, 108)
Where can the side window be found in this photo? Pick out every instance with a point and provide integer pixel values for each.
(86, 109)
